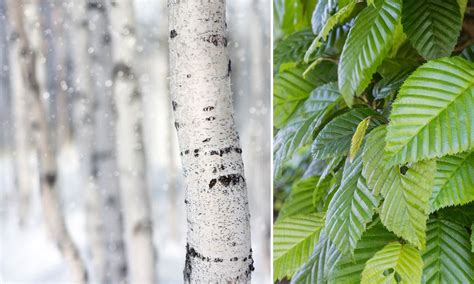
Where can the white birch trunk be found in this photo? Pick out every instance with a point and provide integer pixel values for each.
(130, 147)
(21, 125)
(218, 248)
(104, 162)
(54, 218)
(84, 128)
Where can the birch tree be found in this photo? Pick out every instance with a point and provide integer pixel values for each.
(24, 56)
(21, 124)
(83, 117)
(218, 238)
(104, 162)
(130, 146)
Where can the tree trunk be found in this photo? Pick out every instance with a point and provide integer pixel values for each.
(104, 162)
(218, 248)
(48, 171)
(130, 147)
(62, 103)
(83, 117)
(21, 123)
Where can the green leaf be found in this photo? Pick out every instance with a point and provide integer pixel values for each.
(334, 140)
(358, 138)
(320, 265)
(432, 26)
(406, 190)
(447, 257)
(321, 14)
(289, 90)
(350, 268)
(307, 119)
(300, 201)
(322, 188)
(368, 43)
(294, 239)
(289, 15)
(292, 48)
(454, 181)
(395, 263)
(463, 215)
(433, 114)
(472, 237)
(468, 53)
(351, 208)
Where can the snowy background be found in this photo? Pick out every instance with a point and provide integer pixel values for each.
(27, 254)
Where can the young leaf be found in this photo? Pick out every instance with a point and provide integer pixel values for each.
(406, 190)
(334, 140)
(432, 26)
(294, 239)
(394, 263)
(367, 44)
(433, 114)
(447, 257)
(454, 181)
(358, 138)
(351, 208)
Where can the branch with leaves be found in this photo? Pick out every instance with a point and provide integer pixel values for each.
(374, 148)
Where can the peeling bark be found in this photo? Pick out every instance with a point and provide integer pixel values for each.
(218, 248)
(26, 59)
(130, 146)
(104, 162)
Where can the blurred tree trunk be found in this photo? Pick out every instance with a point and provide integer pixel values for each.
(104, 161)
(83, 117)
(26, 58)
(22, 142)
(218, 248)
(62, 102)
(130, 147)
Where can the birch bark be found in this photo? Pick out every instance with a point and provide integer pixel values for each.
(84, 130)
(21, 124)
(104, 162)
(218, 248)
(130, 146)
(26, 58)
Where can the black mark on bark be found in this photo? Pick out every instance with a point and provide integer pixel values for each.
(206, 140)
(196, 152)
(50, 179)
(233, 179)
(173, 34)
(208, 108)
(210, 118)
(212, 183)
(176, 125)
(229, 68)
(188, 76)
(174, 104)
(122, 70)
(216, 40)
